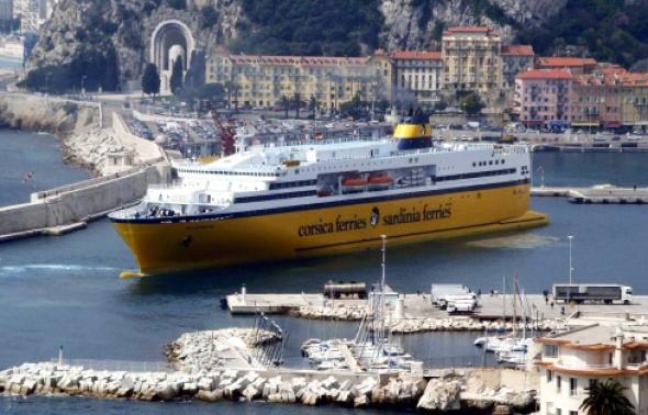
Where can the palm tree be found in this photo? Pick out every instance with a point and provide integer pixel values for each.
(607, 398)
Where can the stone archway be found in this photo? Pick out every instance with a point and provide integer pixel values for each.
(170, 39)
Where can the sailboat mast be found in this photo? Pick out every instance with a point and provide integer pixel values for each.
(382, 288)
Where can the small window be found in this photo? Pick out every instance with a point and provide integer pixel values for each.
(549, 376)
(573, 386)
(558, 383)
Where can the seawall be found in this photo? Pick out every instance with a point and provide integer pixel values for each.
(128, 164)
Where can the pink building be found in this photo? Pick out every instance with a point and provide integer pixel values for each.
(542, 96)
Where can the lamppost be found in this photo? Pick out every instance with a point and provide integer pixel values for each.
(570, 237)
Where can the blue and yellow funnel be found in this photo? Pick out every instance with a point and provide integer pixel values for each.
(413, 133)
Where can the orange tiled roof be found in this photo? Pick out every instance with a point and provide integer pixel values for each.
(467, 29)
(517, 50)
(298, 60)
(545, 74)
(420, 55)
(562, 62)
(635, 80)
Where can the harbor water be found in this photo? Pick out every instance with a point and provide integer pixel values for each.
(64, 291)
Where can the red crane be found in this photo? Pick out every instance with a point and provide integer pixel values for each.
(227, 134)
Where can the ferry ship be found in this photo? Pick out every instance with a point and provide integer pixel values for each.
(278, 202)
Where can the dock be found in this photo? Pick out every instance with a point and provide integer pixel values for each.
(416, 312)
(604, 194)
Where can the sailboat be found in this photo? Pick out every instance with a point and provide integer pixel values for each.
(373, 348)
(509, 348)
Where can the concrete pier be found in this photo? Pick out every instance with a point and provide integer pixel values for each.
(495, 311)
(605, 194)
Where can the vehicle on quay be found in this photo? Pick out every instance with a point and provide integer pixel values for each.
(579, 293)
(269, 202)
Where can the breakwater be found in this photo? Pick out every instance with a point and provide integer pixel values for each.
(128, 165)
(215, 365)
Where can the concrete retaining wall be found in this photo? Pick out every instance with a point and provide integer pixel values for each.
(80, 202)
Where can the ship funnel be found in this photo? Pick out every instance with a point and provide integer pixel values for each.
(415, 132)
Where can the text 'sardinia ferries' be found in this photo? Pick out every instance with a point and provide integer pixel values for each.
(269, 202)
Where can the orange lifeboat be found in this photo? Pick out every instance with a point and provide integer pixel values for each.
(380, 181)
(354, 184)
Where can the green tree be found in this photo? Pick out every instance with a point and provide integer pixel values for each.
(471, 103)
(177, 4)
(208, 17)
(285, 104)
(607, 398)
(313, 104)
(175, 82)
(297, 104)
(151, 80)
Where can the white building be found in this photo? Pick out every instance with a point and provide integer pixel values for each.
(418, 74)
(572, 361)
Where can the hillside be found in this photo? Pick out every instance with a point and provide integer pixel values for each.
(96, 43)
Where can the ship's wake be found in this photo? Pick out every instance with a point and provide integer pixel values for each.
(19, 269)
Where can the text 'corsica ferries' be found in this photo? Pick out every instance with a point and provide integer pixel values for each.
(272, 202)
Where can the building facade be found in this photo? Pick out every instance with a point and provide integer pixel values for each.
(472, 59)
(597, 98)
(417, 75)
(634, 101)
(543, 96)
(573, 361)
(576, 66)
(264, 81)
(515, 59)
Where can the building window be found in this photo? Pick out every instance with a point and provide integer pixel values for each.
(549, 376)
(573, 386)
(593, 383)
(550, 350)
(573, 412)
(558, 411)
(558, 383)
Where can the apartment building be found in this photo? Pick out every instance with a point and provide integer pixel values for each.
(515, 59)
(573, 361)
(542, 96)
(576, 66)
(597, 98)
(263, 81)
(634, 101)
(472, 59)
(419, 75)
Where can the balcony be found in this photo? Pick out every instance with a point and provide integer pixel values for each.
(561, 364)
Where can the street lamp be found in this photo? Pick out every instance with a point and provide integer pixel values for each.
(570, 237)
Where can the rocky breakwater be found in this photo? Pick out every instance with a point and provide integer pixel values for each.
(209, 366)
(406, 325)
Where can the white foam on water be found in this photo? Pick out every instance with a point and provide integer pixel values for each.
(16, 269)
(519, 241)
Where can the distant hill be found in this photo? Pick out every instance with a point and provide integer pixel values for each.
(107, 40)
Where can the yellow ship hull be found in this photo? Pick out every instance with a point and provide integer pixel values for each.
(164, 247)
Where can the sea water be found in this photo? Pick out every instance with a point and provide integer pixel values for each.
(64, 291)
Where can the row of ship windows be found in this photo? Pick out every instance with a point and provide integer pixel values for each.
(488, 163)
(231, 173)
(476, 175)
(305, 193)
